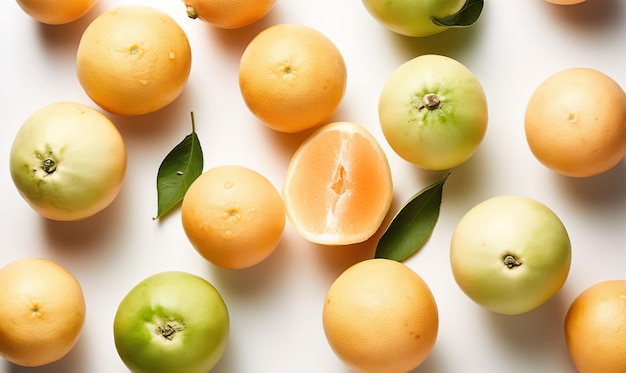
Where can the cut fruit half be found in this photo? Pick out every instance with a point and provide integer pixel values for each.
(338, 187)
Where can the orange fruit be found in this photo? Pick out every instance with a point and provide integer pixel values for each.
(338, 187)
(380, 316)
(133, 60)
(42, 311)
(56, 12)
(233, 216)
(575, 122)
(228, 14)
(595, 328)
(292, 77)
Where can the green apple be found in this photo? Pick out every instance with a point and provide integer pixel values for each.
(419, 18)
(433, 112)
(171, 322)
(68, 161)
(510, 254)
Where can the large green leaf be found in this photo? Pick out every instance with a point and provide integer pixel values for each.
(413, 224)
(179, 169)
(467, 16)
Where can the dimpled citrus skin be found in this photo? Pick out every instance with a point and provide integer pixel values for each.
(229, 14)
(595, 328)
(133, 60)
(575, 122)
(42, 311)
(292, 77)
(56, 12)
(380, 316)
(233, 216)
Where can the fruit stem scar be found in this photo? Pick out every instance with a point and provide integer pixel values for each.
(511, 261)
(49, 165)
(191, 12)
(430, 101)
(169, 329)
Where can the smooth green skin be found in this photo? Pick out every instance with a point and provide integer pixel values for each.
(517, 226)
(412, 17)
(437, 139)
(85, 146)
(176, 298)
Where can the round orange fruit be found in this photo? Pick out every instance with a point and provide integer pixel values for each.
(56, 12)
(380, 316)
(338, 187)
(228, 14)
(595, 328)
(292, 77)
(133, 60)
(42, 311)
(575, 122)
(233, 216)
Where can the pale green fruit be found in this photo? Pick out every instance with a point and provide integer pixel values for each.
(433, 112)
(510, 254)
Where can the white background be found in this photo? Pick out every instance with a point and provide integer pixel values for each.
(275, 307)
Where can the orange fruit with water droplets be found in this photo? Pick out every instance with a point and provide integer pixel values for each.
(595, 328)
(42, 311)
(133, 60)
(338, 187)
(292, 77)
(233, 216)
(380, 316)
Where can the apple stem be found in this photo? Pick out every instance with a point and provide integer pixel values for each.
(431, 101)
(49, 165)
(510, 261)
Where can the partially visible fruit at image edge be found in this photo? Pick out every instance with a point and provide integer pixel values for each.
(171, 321)
(68, 161)
(133, 60)
(233, 216)
(510, 254)
(433, 112)
(575, 122)
(380, 316)
(42, 311)
(56, 12)
(292, 77)
(338, 186)
(228, 14)
(420, 18)
(595, 328)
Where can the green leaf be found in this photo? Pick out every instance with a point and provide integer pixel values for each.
(467, 16)
(179, 169)
(413, 224)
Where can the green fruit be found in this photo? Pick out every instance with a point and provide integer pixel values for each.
(423, 17)
(510, 254)
(68, 161)
(171, 322)
(433, 112)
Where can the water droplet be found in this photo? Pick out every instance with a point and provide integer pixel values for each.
(172, 55)
(229, 184)
(228, 233)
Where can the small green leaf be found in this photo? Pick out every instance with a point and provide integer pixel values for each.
(179, 169)
(467, 16)
(413, 224)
